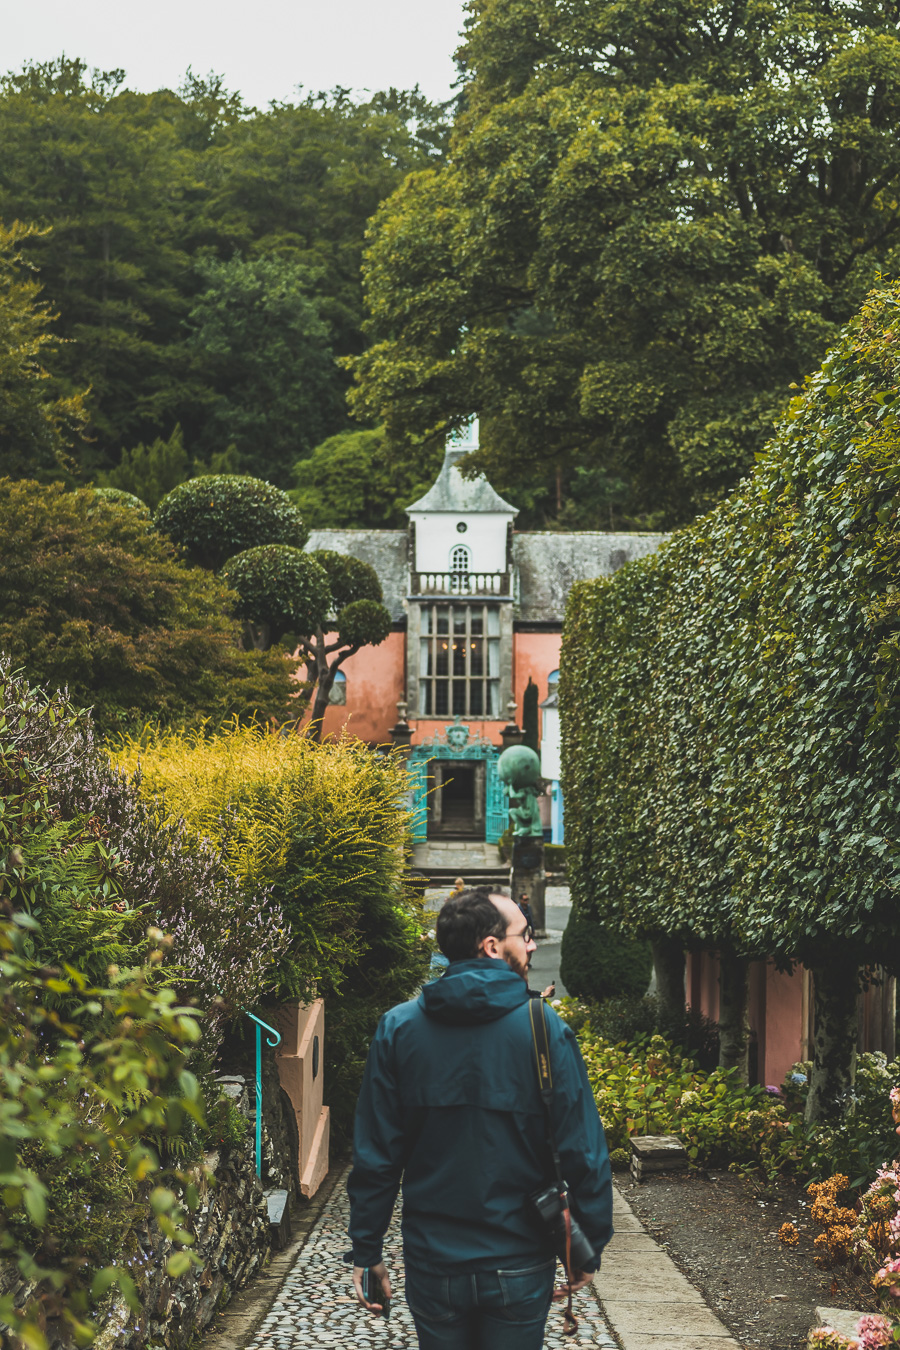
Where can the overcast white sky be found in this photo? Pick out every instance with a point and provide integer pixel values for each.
(264, 50)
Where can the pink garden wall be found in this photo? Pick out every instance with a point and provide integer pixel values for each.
(534, 655)
(779, 1010)
(376, 677)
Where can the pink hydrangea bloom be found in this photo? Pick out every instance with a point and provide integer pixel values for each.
(873, 1332)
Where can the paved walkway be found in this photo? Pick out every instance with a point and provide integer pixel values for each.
(639, 1301)
(648, 1302)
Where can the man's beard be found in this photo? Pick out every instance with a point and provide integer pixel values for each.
(520, 967)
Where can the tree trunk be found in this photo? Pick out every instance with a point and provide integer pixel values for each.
(256, 636)
(835, 990)
(734, 1015)
(320, 704)
(668, 963)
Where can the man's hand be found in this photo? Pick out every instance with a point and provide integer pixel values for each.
(381, 1273)
(579, 1280)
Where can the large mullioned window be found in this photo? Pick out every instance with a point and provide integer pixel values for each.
(459, 661)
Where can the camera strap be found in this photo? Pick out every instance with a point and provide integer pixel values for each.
(538, 1020)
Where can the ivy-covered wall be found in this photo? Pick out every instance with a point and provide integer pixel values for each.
(729, 705)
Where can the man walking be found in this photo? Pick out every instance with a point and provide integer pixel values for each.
(450, 1101)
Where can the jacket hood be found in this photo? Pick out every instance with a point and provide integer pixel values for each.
(471, 992)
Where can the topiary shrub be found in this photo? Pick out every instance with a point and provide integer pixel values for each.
(281, 590)
(121, 498)
(214, 517)
(598, 963)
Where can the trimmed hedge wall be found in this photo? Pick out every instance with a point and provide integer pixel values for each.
(729, 706)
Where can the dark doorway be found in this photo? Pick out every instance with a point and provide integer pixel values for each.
(452, 805)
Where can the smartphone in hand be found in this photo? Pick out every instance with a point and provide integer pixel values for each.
(374, 1293)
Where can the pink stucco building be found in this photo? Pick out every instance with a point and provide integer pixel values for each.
(477, 609)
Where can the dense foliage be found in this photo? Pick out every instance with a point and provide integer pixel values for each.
(146, 195)
(92, 598)
(729, 705)
(322, 827)
(262, 346)
(149, 472)
(357, 480)
(651, 1085)
(93, 1042)
(36, 427)
(213, 517)
(88, 1092)
(280, 589)
(650, 222)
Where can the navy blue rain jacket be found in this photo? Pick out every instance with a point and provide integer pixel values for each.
(450, 1102)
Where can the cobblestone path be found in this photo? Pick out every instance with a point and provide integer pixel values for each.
(316, 1306)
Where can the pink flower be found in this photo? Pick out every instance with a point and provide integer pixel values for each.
(873, 1331)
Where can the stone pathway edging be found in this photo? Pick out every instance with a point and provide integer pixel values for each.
(649, 1304)
(234, 1326)
(638, 1301)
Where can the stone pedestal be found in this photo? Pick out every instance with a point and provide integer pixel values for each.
(301, 1071)
(402, 733)
(652, 1153)
(527, 874)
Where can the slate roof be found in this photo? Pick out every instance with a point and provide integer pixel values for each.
(452, 492)
(549, 564)
(384, 549)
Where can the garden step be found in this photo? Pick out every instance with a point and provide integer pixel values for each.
(652, 1153)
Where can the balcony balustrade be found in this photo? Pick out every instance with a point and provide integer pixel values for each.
(459, 583)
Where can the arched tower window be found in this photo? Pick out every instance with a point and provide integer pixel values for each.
(459, 558)
(552, 682)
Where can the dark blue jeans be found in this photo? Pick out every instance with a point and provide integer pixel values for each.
(492, 1310)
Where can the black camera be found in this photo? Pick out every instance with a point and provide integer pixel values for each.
(549, 1206)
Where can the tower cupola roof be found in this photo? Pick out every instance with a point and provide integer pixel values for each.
(451, 492)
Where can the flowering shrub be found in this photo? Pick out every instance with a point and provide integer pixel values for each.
(649, 1085)
(833, 1243)
(652, 1087)
(91, 858)
(826, 1338)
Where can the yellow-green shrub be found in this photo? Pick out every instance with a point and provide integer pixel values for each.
(324, 827)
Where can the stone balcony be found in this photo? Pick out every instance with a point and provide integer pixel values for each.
(422, 584)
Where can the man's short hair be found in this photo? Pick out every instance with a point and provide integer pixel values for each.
(466, 920)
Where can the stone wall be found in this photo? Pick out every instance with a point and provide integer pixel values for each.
(231, 1225)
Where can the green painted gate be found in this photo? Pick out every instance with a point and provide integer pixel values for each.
(458, 743)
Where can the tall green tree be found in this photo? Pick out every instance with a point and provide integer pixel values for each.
(356, 479)
(36, 428)
(302, 181)
(103, 166)
(139, 187)
(653, 219)
(263, 350)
